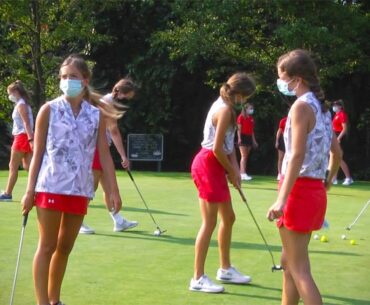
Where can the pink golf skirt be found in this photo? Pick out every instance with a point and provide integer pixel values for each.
(305, 208)
(20, 143)
(70, 204)
(96, 165)
(210, 177)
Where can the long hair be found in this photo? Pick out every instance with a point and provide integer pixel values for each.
(239, 83)
(124, 85)
(18, 86)
(299, 63)
(90, 95)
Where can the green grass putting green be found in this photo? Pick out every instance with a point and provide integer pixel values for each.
(138, 268)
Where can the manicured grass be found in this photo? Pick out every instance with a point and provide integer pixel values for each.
(138, 268)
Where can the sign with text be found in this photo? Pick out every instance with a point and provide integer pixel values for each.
(145, 147)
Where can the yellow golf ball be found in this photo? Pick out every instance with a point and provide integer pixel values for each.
(353, 242)
(324, 239)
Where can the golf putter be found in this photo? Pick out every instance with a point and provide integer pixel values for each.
(274, 266)
(358, 216)
(25, 217)
(158, 231)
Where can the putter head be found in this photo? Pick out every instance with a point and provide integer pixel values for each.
(276, 268)
(348, 228)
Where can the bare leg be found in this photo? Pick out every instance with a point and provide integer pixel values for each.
(48, 224)
(26, 161)
(97, 175)
(280, 160)
(290, 295)
(244, 152)
(15, 160)
(209, 221)
(227, 216)
(69, 227)
(345, 169)
(298, 273)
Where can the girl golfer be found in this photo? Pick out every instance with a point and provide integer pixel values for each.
(301, 203)
(23, 135)
(60, 182)
(214, 161)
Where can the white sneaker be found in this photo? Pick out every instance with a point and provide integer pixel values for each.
(232, 275)
(334, 182)
(347, 181)
(205, 284)
(85, 229)
(124, 225)
(245, 177)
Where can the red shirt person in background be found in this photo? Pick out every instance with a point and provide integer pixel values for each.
(279, 144)
(246, 138)
(340, 128)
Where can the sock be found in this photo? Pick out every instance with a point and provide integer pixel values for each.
(117, 218)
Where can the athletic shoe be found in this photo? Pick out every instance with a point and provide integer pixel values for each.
(334, 182)
(245, 177)
(204, 284)
(347, 181)
(6, 197)
(85, 229)
(232, 275)
(59, 303)
(124, 225)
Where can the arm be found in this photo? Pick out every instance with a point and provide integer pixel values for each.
(302, 120)
(41, 130)
(222, 121)
(23, 111)
(239, 132)
(255, 144)
(343, 132)
(117, 140)
(278, 134)
(334, 161)
(108, 166)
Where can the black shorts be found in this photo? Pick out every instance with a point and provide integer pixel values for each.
(281, 144)
(246, 140)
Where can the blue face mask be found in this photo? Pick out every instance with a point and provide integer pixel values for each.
(283, 87)
(71, 87)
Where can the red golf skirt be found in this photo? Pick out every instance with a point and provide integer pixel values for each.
(305, 208)
(70, 204)
(96, 165)
(20, 143)
(210, 177)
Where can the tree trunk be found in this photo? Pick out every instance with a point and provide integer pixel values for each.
(39, 86)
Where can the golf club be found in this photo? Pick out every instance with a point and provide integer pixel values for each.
(358, 216)
(274, 267)
(25, 217)
(158, 231)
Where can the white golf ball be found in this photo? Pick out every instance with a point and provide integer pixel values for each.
(157, 233)
(316, 236)
(344, 236)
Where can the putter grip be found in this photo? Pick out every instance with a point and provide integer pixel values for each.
(25, 218)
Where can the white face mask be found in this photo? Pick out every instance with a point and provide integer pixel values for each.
(12, 98)
(250, 110)
(335, 109)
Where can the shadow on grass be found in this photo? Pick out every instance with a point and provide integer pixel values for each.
(350, 301)
(142, 210)
(144, 235)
